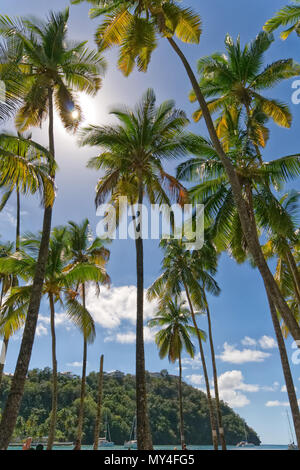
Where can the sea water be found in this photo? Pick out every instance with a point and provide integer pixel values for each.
(261, 447)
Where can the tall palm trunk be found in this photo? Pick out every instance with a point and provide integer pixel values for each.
(53, 419)
(12, 406)
(215, 374)
(249, 228)
(144, 440)
(83, 384)
(281, 345)
(15, 283)
(286, 372)
(209, 399)
(99, 405)
(181, 420)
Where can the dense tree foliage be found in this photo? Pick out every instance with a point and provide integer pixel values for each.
(119, 407)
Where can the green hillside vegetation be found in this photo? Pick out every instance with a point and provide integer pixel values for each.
(119, 406)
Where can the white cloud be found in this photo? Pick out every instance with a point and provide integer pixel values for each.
(44, 319)
(8, 213)
(116, 305)
(271, 388)
(75, 364)
(284, 389)
(128, 337)
(61, 319)
(231, 386)
(123, 338)
(189, 363)
(247, 341)
(233, 379)
(41, 330)
(234, 399)
(195, 379)
(276, 403)
(267, 342)
(235, 356)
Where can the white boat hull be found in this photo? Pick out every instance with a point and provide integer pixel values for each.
(106, 444)
(245, 444)
(130, 444)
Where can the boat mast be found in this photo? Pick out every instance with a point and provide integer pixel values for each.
(135, 433)
(108, 433)
(290, 427)
(245, 431)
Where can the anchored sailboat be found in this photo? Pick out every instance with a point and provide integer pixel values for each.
(245, 443)
(132, 443)
(106, 440)
(292, 445)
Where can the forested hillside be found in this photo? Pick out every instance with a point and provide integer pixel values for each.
(119, 407)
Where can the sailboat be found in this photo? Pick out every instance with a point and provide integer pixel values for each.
(245, 443)
(106, 440)
(132, 443)
(292, 445)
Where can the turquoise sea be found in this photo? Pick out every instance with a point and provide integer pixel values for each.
(111, 449)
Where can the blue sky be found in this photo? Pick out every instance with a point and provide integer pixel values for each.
(248, 363)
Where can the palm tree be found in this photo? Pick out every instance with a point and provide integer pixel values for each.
(286, 372)
(290, 14)
(85, 251)
(99, 405)
(287, 285)
(6, 250)
(7, 194)
(132, 156)
(58, 288)
(283, 239)
(39, 176)
(206, 261)
(258, 177)
(236, 80)
(180, 272)
(10, 54)
(134, 27)
(51, 70)
(25, 168)
(279, 219)
(174, 336)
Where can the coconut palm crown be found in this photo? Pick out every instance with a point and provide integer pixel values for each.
(134, 26)
(235, 79)
(48, 61)
(288, 15)
(134, 149)
(173, 319)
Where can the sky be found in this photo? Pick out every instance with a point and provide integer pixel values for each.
(248, 362)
